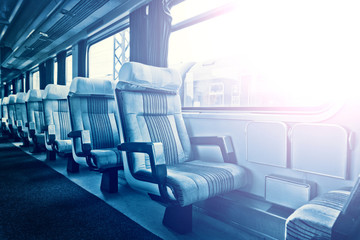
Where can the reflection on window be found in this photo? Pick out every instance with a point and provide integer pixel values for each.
(35, 80)
(266, 54)
(68, 70)
(107, 56)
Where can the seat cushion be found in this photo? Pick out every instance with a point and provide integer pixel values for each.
(316, 219)
(197, 180)
(63, 146)
(106, 158)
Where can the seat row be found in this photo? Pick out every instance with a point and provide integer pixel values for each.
(134, 124)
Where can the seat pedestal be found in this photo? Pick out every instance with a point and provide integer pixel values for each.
(178, 219)
(72, 166)
(50, 155)
(109, 180)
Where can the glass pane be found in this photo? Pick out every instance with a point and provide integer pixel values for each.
(35, 79)
(55, 72)
(68, 70)
(107, 56)
(270, 53)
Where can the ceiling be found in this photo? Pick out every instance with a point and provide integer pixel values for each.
(33, 30)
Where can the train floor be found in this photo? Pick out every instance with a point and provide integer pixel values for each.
(138, 206)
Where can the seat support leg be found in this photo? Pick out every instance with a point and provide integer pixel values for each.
(109, 180)
(72, 166)
(178, 219)
(26, 142)
(50, 155)
(36, 148)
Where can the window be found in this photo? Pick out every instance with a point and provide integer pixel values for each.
(35, 80)
(68, 70)
(107, 56)
(266, 53)
(55, 72)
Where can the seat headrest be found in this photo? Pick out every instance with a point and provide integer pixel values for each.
(20, 97)
(90, 86)
(139, 77)
(5, 101)
(12, 99)
(34, 95)
(56, 92)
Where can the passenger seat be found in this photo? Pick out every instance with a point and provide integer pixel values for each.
(57, 121)
(11, 120)
(35, 114)
(5, 116)
(21, 118)
(150, 110)
(95, 127)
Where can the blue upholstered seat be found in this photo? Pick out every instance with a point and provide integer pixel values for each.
(57, 120)
(93, 112)
(21, 117)
(4, 117)
(316, 218)
(150, 111)
(35, 116)
(11, 115)
(333, 215)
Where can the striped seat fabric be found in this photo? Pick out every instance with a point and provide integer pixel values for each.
(12, 115)
(57, 113)
(92, 108)
(150, 111)
(35, 114)
(21, 118)
(4, 115)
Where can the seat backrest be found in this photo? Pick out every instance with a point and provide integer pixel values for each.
(150, 111)
(92, 107)
(20, 109)
(5, 102)
(34, 108)
(56, 110)
(11, 110)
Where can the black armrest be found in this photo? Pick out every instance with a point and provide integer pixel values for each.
(50, 132)
(157, 161)
(19, 125)
(224, 142)
(27, 124)
(85, 138)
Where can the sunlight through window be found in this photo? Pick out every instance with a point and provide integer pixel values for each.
(277, 53)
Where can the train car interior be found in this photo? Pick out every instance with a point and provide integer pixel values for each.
(179, 119)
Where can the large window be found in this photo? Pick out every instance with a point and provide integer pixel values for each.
(108, 55)
(68, 70)
(35, 80)
(55, 72)
(266, 53)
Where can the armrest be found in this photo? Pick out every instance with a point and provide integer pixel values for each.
(3, 120)
(224, 142)
(157, 161)
(27, 124)
(31, 128)
(19, 125)
(85, 138)
(51, 134)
